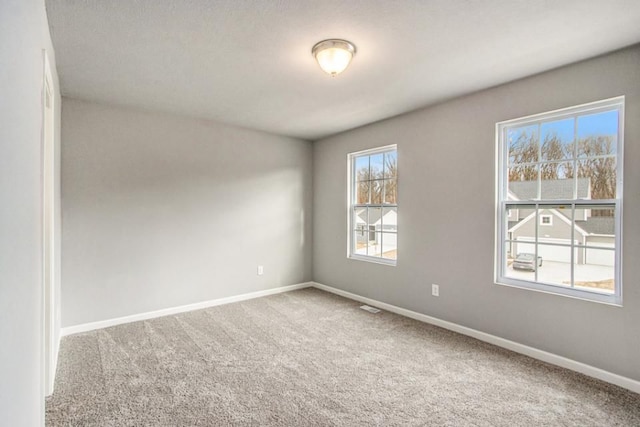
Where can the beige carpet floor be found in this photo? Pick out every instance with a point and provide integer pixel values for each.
(309, 358)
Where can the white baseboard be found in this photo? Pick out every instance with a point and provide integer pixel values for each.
(545, 356)
(535, 353)
(86, 327)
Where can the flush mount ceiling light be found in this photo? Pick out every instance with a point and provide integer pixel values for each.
(333, 55)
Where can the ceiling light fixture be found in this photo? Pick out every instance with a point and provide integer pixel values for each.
(333, 55)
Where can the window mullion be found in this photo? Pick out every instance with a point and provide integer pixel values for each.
(575, 158)
(539, 166)
(573, 243)
(535, 257)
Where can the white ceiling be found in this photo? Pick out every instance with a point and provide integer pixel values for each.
(249, 63)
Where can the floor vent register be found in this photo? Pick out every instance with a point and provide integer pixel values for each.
(370, 309)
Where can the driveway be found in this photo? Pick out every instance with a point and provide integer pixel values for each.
(559, 273)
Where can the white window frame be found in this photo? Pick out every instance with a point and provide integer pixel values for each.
(542, 218)
(351, 186)
(502, 202)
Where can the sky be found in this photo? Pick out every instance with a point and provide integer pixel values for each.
(605, 123)
(375, 161)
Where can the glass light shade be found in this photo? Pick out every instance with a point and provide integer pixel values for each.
(333, 55)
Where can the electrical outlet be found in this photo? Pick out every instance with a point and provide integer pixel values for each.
(435, 290)
(260, 270)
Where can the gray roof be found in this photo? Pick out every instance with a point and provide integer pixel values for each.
(374, 215)
(551, 189)
(514, 223)
(593, 225)
(598, 225)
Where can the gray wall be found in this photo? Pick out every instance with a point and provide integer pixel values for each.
(446, 159)
(161, 211)
(24, 33)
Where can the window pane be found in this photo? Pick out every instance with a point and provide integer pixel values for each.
(557, 171)
(390, 219)
(377, 189)
(599, 178)
(597, 134)
(557, 139)
(374, 244)
(360, 240)
(360, 233)
(520, 221)
(376, 166)
(598, 224)
(375, 219)
(520, 226)
(595, 263)
(509, 255)
(360, 218)
(511, 219)
(523, 144)
(595, 270)
(554, 224)
(523, 182)
(518, 271)
(390, 245)
(554, 265)
(362, 168)
(391, 191)
(391, 164)
(362, 192)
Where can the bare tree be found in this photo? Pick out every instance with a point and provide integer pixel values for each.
(595, 160)
(522, 153)
(600, 170)
(378, 186)
(391, 179)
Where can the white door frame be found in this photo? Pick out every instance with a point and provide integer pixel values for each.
(48, 228)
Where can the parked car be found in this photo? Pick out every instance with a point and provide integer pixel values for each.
(524, 261)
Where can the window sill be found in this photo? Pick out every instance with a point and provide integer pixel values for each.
(374, 260)
(591, 296)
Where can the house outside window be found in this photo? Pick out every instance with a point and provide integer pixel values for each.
(373, 205)
(560, 201)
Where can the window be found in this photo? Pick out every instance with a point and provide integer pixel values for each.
(560, 201)
(373, 205)
(546, 219)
